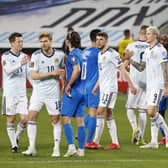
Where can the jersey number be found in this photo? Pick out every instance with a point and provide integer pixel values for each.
(83, 74)
(50, 68)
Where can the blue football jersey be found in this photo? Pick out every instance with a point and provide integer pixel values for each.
(90, 66)
(74, 58)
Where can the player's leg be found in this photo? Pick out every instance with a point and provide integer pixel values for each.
(156, 119)
(69, 106)
(23, 111)
(36, 104)
(141, 126)
(11, 132)
(99, 124)
(81, 135)
(53, 108)
(91, 123)
(112, 128)
(92, 102)
(9, 109)
(111, 124)
(162, 109)
(131, 104)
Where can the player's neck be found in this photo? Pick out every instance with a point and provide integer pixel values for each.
(153, 43)
(15, 51)
(104, 48)
(93, 44)
(142, 38)
(48, 52)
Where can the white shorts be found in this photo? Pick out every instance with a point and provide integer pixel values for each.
(107, 100)
(153, 97)
(138, 100)
(53, 106)
(14, 105)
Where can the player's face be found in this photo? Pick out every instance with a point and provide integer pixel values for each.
(150, 36)
(46, 43)
(17, 45)
(164, 40)
(100, 42)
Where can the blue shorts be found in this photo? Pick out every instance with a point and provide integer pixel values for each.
(163, 105)
(91, 99)
(73, 106)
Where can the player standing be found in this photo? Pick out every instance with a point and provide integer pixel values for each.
(90, 75)
(45, 69)
(139, 80)
(14, 66)
(108, 62)
(73, 101)
(157, 81)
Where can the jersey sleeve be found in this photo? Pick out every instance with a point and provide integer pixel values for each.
(164, 56)
(116, 60)
(74, 60)
(9, 66)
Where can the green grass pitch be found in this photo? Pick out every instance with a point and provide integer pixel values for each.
(129, 156)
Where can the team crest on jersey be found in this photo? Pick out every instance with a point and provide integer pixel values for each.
(31, 65)
(151, 53)
(42, 62)
(56, 60)
(104, 58)
(73, 59)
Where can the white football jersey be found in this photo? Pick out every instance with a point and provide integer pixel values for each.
(138, 47)
(47, 88)
(108, 63)
(154, 57)
(14, 74)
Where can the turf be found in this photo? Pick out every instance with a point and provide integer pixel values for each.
(127, 157)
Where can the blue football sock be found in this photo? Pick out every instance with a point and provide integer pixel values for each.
(81, 136)
(69, 133)
(91, 128)
(86, 120)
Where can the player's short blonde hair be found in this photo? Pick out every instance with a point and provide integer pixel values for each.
(154, 30)
(45, 34)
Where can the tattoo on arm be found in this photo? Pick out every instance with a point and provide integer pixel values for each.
(139, 66)
(165, 73)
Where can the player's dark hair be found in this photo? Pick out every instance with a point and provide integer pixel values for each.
(102, 34)
(74, 39)
(13, 36)
(93, 34)
(127, 32)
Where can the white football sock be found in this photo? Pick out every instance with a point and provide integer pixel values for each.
(11, 134)
(99, 128)
(57, 133)
(111, 124)
(32, 131)
(142, 122)
(20, 129)
(132, 118)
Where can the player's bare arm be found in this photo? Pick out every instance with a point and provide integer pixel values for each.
(41, 76)
(127, 77)
(165, 76)
(139, 66)
(74, 76)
